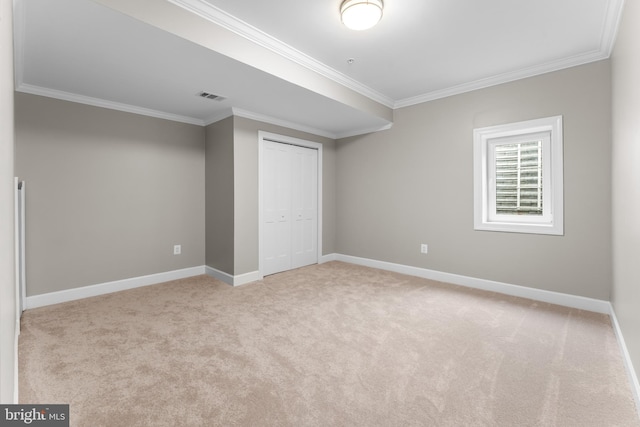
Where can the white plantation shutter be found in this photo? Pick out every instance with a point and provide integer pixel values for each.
(519, 178)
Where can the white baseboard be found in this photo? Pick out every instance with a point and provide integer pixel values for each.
(631, 372)
(328, 258)
(240, 279)
(109, 287)
(245, 278)
(220, 275)
(573, 301)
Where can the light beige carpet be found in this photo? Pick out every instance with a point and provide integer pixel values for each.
(326, 345)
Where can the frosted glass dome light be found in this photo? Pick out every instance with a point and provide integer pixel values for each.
(361, 14)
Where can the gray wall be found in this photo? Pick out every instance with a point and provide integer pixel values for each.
(626, 178)
(413, 184)
(7, 278)
(108, 193)
(246, 189)
(219, 195)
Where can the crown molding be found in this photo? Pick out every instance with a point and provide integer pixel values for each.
(238, 112)
(611, 25)
(284, 123)
(97, 102)
(503, 78)
(237, 26)
(607, 43)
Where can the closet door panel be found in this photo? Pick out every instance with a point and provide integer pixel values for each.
(276, 207)
(305, 207)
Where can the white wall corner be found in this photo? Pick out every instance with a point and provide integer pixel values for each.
(631, 372)
(66, 295)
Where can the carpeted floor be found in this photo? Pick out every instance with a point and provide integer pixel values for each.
(327, 345)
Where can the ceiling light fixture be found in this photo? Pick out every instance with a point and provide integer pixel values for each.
(361, 14)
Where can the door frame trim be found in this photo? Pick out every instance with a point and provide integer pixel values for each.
(283, 139)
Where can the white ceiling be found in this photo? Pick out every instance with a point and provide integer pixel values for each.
(84, 51)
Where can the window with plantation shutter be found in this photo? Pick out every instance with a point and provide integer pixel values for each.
(518, 169)
(518, 177)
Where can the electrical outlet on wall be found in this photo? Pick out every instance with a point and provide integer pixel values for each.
(177, 249)
(424, 248)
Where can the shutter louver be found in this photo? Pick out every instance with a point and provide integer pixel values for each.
(519, 178)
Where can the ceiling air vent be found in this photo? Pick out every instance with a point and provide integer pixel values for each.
(210, 96)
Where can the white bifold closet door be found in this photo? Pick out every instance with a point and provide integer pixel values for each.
(290, 207)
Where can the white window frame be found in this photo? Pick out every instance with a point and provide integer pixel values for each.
(549, 131)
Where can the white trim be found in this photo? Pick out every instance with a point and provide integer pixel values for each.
(628, 364)
(610, 29)
(241, 279)
(51, 298)
(567, 300)
(291, 125)
(19, 278)
(220, 275)
(16, 382)
(17, 249)
(97, 102)
(278, 122)
(262, 135)
(23, 254)
(328, 258)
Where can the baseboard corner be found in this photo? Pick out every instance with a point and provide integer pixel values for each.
(328, 258)
(218, 274)
(626, 358)
(229, 279)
